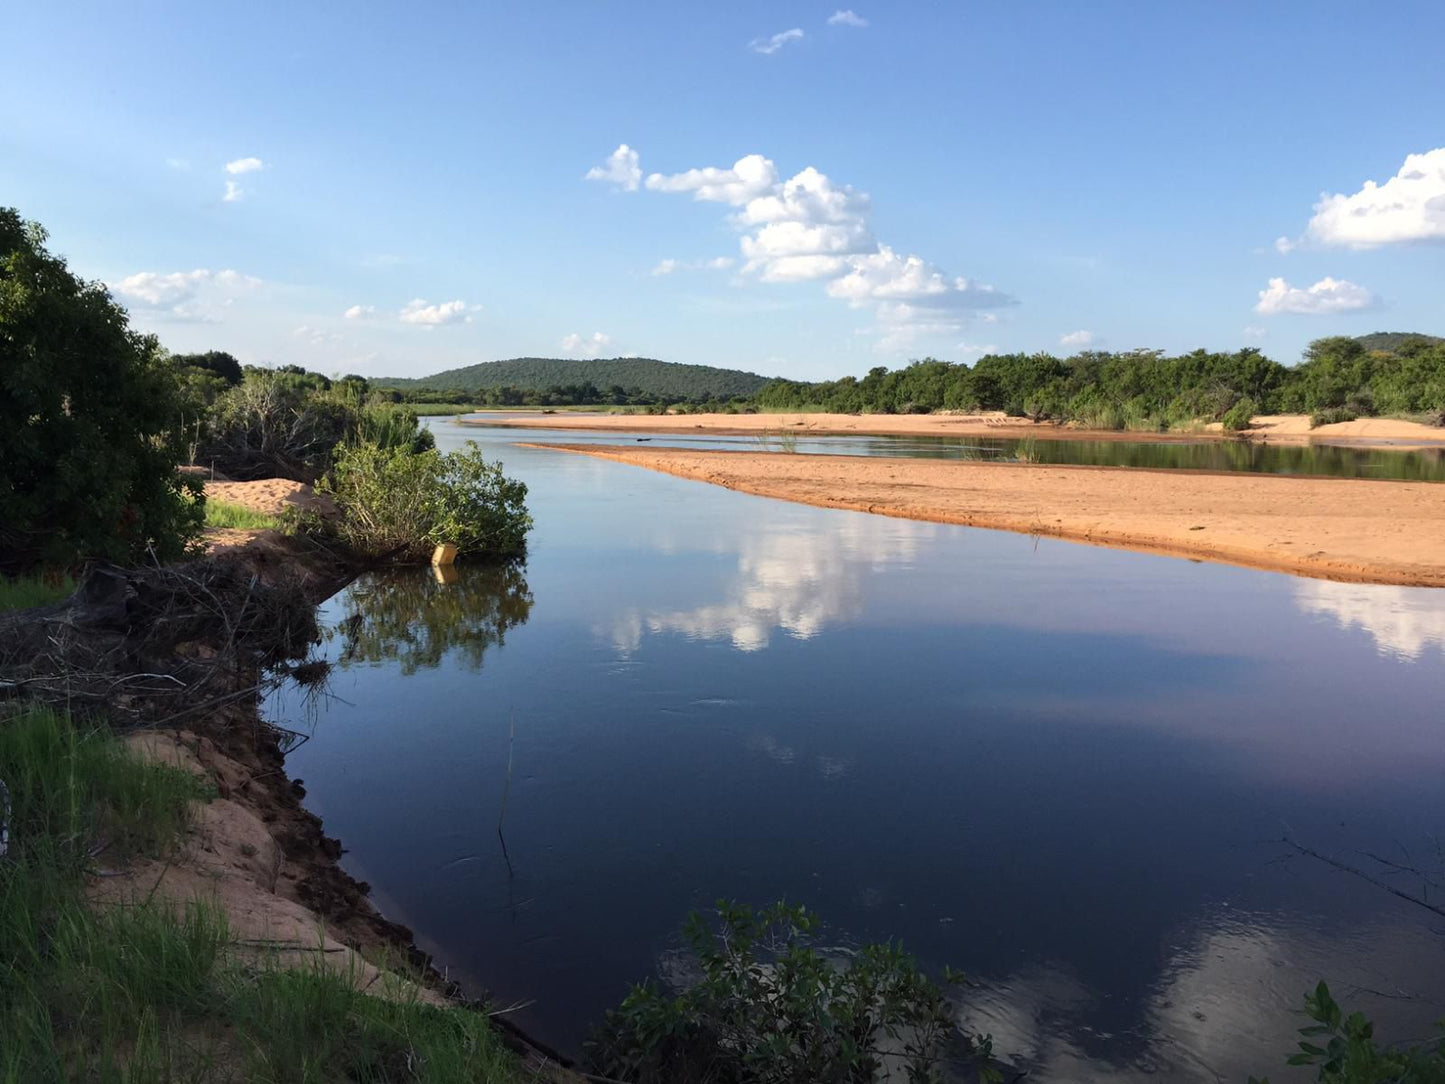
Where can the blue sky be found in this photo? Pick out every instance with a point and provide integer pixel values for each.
(939, 180)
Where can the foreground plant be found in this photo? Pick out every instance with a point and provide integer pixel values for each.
(1350, 1054)
(769, 1009)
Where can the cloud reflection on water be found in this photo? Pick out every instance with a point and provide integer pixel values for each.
(789, 579)
(1405, 622)
(1221, 1004)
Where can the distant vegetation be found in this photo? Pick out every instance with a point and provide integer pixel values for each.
(615, 381)
(1147, 389)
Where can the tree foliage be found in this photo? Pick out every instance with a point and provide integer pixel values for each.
(648, 377)
(88, 446)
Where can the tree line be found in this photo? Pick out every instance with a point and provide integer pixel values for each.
(1338, 378)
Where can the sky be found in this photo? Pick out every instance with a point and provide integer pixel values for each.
(794, 189)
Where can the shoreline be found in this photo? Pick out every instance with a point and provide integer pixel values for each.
(1385, 433)
(1346, 529)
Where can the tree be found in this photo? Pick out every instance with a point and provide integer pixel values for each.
(215, 361)
(88, 452)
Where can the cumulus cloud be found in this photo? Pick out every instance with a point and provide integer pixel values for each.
(360, 312)
(1077, 340)
(810, 228)
(1410, 206)
(234, 193)
(748, 178)
(317, 336)
(621, 169)
(1254, 331)
(586, 345)
(184, 295)
(421, 312)
(1325, 297)
(769, 46)
(670, 266)
(245, 165)
(846, 17)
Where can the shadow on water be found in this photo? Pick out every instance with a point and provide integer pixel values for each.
(413, 618)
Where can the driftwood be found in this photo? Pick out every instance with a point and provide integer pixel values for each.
(154, 642)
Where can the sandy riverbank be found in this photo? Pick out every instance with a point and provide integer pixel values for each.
(1274, 428)
(1341, 529)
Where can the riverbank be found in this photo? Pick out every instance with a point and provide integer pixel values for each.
(1338, 529)
(1274, 428)
(248, 868)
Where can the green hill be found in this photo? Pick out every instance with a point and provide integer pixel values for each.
(661, 378)
(1391, 341)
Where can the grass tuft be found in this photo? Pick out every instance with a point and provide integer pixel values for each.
(226, 514)
(25, 591)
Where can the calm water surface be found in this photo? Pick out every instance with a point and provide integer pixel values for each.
(1420, 464)
(1062, 769)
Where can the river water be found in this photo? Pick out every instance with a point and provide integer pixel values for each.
(1065, 770)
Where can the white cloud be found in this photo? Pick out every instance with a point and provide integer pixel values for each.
(245, 165)
(360, 312)
(317, 336)
(234, 193)
(769, 46)
(184, 295)
(1077, 340)
(1254, 331)
(670, 266)
(621, 169)
(587, 345)
(970, 350)
(1325, 297)
(809, 228)
(846, 17)
(420, 312)
(1284, 246)
(178, 163)
(1410, 206)
(1404, 621)
(748, 178)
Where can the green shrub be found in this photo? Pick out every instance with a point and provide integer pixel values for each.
(1238, 417)
(87, 411)
(770, 1009)
(1350, 1054)
(399, 504)
(1331, 416)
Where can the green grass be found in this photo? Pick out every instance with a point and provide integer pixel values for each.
(146, 995)
(26, 591)
(225, 514)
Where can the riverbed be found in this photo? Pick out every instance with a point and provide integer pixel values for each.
(1065, 770)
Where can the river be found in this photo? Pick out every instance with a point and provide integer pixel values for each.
(1062, 769)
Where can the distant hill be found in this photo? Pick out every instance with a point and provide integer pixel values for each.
(664, 378)
(1390, 341)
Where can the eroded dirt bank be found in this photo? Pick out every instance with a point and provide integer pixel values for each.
(1342, 529)
(1276, 428)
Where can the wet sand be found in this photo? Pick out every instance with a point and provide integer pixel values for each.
(1331, 528)
(1276, 428)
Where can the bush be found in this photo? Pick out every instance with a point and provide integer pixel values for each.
(1238, 417)
(769, 1009)
(398, 504)
(1331, 416)
(87, 407)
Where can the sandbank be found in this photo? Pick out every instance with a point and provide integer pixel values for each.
(1331, 528)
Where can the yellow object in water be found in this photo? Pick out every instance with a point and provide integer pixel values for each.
(445, 554)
